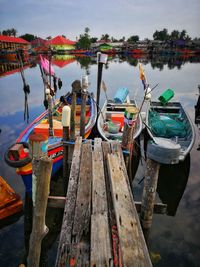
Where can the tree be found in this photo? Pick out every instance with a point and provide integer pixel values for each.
(161, 35)
(14, 32)
(133, 39)
(93, 39)
(122, 39)
(10, 32)
(28, 37)
(84, 41)
(175, 35)
(105, 37)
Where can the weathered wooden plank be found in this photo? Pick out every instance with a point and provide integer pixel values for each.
(79, 250)
(68, 216)
(77, 255)
(100, 254)
(99, 201)
(83, 202)
(132, 245)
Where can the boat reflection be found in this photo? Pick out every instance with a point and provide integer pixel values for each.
(172, 182)
(197, 116)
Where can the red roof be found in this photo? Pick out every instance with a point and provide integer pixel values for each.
(62, 63)
(11, 39)
(60, 40)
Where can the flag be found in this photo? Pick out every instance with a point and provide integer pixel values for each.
(44, 63)
(142, 77)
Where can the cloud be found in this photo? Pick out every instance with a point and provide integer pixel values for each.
(115, 17)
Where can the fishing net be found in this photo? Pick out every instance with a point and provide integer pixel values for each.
(166, 126)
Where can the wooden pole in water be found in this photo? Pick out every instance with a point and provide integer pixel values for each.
(149, 194)
(76, 87)
(101, 59)
(83, 105)
(66, 115)
(38, 148)
(41, 174)
(39, 230)
(49, 99)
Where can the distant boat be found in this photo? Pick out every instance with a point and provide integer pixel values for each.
(170, 128)
(55, 146)
(110, 122)
(10, 202)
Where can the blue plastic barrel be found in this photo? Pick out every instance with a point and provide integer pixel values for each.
(121, 95)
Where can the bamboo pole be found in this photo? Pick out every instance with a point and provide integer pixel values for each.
(39, 230)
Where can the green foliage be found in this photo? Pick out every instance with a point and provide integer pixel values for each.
(163, 35)
(28, 37)
(93, 39)
(84, 41)
(105, 37)
(10, 32)
(133, 39)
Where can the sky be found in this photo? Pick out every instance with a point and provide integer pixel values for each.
(117, 18)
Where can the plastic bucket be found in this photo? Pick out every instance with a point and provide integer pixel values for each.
(130, 115)
(113, 127)
(166, 96)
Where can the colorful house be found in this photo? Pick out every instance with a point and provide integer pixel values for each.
(13, 43)
(39, 45)
(60, 43)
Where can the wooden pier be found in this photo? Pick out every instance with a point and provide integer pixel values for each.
(100, 222)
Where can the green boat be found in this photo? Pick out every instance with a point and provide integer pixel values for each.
(171, 131)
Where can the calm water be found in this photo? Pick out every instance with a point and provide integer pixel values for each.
(174, 240)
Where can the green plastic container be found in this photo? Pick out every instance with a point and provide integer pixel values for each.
(166, 96)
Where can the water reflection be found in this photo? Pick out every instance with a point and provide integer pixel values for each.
(172, 182)
(61, 61)
(197, 117)
(167, 232)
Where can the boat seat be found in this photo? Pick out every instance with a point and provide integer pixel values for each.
(43, 128)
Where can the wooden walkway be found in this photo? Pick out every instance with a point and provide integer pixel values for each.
(100, 222)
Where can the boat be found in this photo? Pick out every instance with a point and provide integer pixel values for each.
(18, 156)
(171, 130)
(110, 123)
(10, 202)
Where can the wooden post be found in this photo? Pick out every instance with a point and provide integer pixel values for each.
(83, 104)
(66, 114)
(149, 194)
(49, 99)
(38, 148)
(76, 87)
(39, 230)
(101, 59)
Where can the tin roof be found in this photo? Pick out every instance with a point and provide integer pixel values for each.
(10, 39)
(60, 40)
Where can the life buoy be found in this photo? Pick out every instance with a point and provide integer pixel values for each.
(22, 161)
